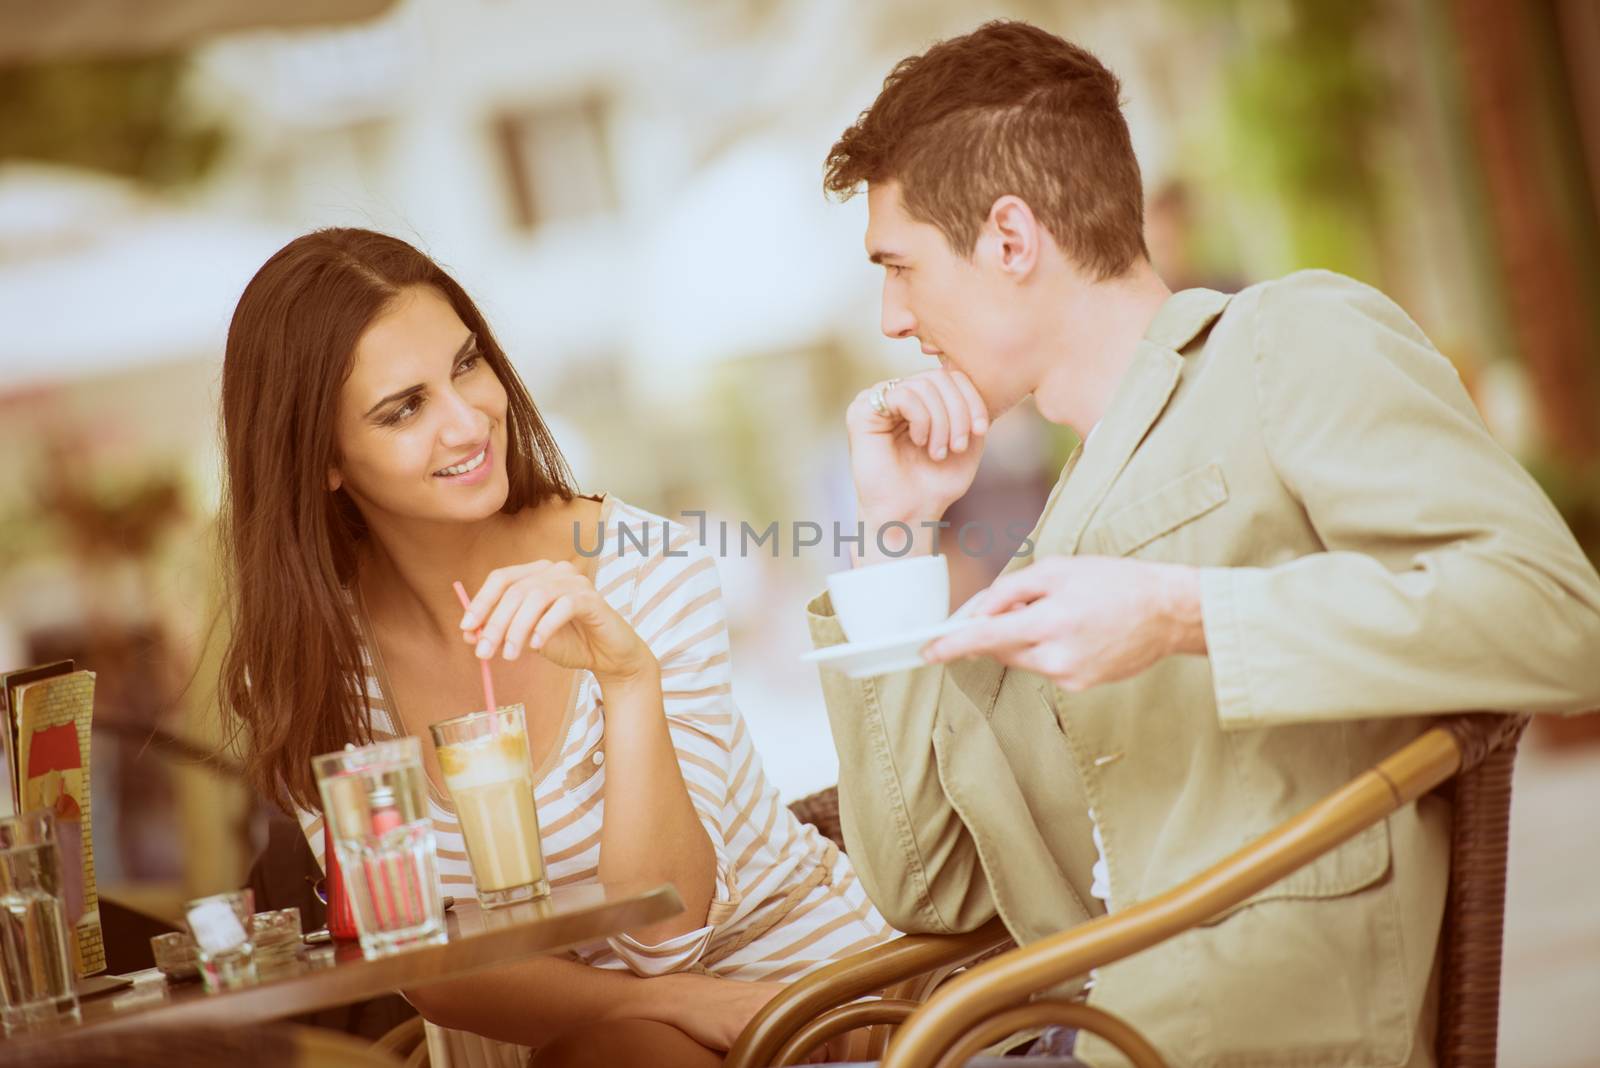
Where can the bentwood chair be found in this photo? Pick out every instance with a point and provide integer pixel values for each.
(408, 1041)
(1468, 758)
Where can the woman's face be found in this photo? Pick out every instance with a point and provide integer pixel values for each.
(421, 427)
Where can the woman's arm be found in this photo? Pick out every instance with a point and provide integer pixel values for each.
(651, 832)
(534, 1001)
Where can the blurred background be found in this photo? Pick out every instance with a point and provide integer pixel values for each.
(631, 190)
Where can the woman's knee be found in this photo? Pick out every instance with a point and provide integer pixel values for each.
(622, 1043)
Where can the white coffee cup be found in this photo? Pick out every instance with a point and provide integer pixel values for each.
(890, 599)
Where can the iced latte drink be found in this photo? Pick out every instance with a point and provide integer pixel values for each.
(484, 757)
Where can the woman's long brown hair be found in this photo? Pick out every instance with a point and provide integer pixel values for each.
(293, 677)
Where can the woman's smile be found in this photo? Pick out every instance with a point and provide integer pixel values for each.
(471, 471)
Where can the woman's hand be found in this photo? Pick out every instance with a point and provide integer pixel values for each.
(709, 1010)
(553, 609)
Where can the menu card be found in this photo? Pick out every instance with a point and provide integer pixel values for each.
(44, 762)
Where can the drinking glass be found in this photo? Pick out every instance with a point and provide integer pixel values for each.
(276, 936)
(220, 924)
(375, 806)
(176, 955)
(484, 757)
(35, 956)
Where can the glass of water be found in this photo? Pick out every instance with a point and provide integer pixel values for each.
(35, 956)
(374, 801)
(221, 928)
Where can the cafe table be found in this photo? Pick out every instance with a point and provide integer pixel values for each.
(331, 975)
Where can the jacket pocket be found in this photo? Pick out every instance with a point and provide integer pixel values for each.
(1355, 865)
(1183, 500)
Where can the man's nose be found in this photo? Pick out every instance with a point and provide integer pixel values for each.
(898, 322)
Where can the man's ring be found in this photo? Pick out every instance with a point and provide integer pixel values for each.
(878, 398)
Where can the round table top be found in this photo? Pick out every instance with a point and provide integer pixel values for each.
(329, 976)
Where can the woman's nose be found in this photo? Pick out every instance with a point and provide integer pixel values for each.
(464, 423)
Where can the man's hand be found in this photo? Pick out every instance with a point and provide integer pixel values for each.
(911, 464)
(1082, 620)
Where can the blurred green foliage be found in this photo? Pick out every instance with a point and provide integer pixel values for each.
(1306, 103)
(122, 116)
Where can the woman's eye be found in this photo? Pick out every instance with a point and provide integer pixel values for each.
(469, 363)
(405, 411)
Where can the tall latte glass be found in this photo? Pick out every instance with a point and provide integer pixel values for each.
(484, 757)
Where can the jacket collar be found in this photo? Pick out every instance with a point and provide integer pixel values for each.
(1138, 402)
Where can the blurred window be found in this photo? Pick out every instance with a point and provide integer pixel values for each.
(556, 161)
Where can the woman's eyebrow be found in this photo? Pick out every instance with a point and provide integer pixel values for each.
(466, 347)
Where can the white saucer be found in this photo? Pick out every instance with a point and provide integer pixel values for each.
(863, 660)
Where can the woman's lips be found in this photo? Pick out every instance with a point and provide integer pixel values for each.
(477, 474)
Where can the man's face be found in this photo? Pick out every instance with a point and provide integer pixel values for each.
(964, 311)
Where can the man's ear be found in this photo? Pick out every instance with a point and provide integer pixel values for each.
(335, 480)
(1012, 236)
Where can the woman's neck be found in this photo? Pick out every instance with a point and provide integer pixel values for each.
(406, 570)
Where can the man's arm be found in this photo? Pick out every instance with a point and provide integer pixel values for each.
(1450, 582)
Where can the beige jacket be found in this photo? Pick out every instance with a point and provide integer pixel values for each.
(1371, 558)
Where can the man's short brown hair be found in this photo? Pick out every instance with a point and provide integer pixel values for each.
(1006, 109)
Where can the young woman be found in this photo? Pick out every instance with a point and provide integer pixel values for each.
(379, 447)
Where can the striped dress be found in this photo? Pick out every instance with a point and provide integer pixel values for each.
(786, 901)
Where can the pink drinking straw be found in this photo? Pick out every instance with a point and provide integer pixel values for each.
(488, 682)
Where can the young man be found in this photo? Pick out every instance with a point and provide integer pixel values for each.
(1287, 541)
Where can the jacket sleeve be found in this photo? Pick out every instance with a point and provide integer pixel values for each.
(1449, 582)
(908, 845)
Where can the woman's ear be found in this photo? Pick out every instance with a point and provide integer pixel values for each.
(335, 480)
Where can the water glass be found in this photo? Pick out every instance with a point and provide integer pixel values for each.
(220, 925)
(276, 936)
(376, 809)
(35, 954)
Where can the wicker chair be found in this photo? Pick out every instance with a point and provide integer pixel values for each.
(1468, 758)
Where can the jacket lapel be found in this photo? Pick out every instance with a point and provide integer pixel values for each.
(1138, 402)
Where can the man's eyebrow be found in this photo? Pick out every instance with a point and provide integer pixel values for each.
(466, 347)
(879, 255)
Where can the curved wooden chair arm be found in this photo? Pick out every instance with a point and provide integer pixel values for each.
(839, 1020)
(402, 1038)
(860, 975)
(1457, 744)
(1065, 1013)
